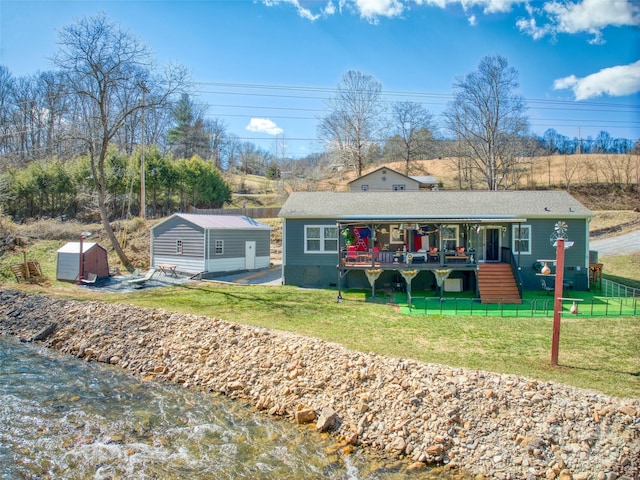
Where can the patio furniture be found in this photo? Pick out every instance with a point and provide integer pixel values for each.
(352, 254)
(595, 273)
(399, 284)
(91, 279)
(457, 256)
(546, 288)
(141, 281)
(168, 269)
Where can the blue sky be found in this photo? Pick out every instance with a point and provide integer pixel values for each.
(266, 67)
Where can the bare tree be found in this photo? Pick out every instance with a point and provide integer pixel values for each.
(6, 100)
(53, 102)
(105, 68)
(489, 119)
(570, 166)
(217, 132)
(414, 128)
(354, 119)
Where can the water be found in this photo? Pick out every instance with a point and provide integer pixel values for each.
(61, 417)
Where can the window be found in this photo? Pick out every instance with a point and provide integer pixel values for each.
(320, 239)
(449, 236)
(179, 247)
(364, 188)
(521, 235)
(218, 247)
(398, 188)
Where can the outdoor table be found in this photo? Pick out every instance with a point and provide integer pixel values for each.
(168, 269)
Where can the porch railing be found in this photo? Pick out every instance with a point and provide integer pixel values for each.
(414, 259)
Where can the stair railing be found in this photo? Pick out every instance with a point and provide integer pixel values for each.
(509, 257)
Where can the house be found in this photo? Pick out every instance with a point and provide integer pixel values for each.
(387, 179)
(209, 244)
(486, 242)
(94, 257)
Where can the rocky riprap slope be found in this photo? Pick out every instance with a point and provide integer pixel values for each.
(498, 426)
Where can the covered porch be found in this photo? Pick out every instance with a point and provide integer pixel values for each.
(420, 255)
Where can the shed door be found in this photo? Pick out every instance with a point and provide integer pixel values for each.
(250, 254)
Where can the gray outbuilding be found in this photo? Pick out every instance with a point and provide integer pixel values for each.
(208, 244)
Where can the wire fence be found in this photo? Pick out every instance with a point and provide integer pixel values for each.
(544, 307)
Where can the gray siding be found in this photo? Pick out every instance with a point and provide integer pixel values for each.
(198, 246)
(307, 269)
(320, 270)
(234, 241)
(167, 235)
(164, 241)
(576, 257)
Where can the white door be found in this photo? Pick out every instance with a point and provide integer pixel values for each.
(250, 254)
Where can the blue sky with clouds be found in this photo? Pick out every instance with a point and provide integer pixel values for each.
(266, 67)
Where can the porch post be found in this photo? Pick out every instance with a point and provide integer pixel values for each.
(339, 299)
(372, 245)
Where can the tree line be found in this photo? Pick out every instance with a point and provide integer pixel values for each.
(66, 190)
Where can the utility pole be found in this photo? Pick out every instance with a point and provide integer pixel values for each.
(143, 201)
(579, 142)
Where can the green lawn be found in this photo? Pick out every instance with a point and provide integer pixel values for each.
(596, 352)
(534, 304)
(599, 353)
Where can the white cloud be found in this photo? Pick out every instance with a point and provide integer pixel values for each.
(263, 125)
(372, 9)
(589, 16)
(488, 6)
(303, 11)
(615, 81)
(551, 18)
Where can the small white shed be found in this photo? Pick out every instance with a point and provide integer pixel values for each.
(94, 257)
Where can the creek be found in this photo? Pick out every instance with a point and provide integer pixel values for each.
(61, 417)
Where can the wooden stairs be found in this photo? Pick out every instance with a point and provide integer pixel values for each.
(496, 284)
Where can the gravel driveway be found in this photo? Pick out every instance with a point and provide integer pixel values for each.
(620, 244)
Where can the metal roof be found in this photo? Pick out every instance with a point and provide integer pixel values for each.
(438, 206)
(230, 222)
(425, 179)
(74, 247)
